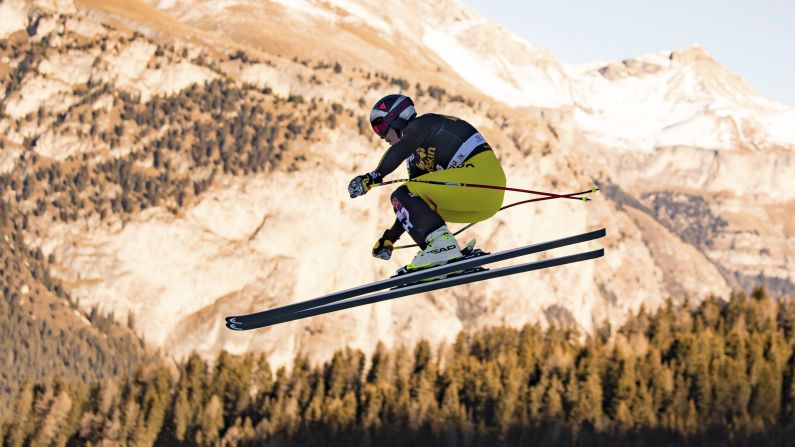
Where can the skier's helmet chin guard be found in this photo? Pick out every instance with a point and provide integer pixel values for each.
(393, 111)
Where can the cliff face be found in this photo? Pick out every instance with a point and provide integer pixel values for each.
(179, 175)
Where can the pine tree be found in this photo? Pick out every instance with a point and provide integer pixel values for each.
(248, 433)
(508, 396)
(262, 383)
(313, 413)
(154, 403)
(452, 412)
(189, 399)
(182, 415)
(766, 395)
(644, 413)
(337, 375)
(731, 388)
(379, 365)
(422, 385)
(396, 408)
(339, 414)
(620, 387)
(788, 410)
(130, 407)
(372, 399)
(211, 422)
(587, 406)
(690, 422)
(21, 425)
(553, 400)
(230, 381)
(100, 413)
(53, 420)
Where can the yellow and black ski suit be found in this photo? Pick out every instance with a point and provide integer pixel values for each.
(441, 148)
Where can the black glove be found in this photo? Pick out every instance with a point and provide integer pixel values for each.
(383, 248)
(362, 183)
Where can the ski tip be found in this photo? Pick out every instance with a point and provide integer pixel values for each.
(234, 327)
(585, 199)
(594, 189)
(231, 320)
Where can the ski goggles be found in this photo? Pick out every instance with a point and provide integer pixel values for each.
(380, 127)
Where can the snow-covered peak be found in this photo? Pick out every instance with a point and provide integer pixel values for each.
(499, 63)
(396, 37)
(700, 75)
(683, 97)
(678, 98)
(481, 52)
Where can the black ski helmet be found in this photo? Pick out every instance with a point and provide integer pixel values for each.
(393, 111)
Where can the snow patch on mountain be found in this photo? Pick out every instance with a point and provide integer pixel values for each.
(483, 73)
(305, 8)
(362, 14)
(62, 6)
(8, 158)
(129, 69)
(38, 92)
(761, 175)
(73, 67)
(52, 88)
(14, 14)
(172, 78)
(263, 75)
(13, 17)
(59, 146)
(128, 64)
(85, 27)
(499, 64)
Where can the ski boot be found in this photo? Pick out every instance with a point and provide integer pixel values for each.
(442, 249)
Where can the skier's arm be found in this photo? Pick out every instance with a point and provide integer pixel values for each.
(394, 156)
(383, 247)
(394, 233)
(396, 153)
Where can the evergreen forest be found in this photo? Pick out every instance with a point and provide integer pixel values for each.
(717, 373)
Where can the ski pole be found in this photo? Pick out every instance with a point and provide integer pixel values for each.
(573, 195)
(479, 185)
(576, 195)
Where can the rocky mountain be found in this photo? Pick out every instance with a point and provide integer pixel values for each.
(179, 161)
(678, 118)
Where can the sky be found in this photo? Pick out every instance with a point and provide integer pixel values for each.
(753, 38)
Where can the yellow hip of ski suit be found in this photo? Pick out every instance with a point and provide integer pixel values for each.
(460, 204)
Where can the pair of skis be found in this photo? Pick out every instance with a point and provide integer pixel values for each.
(411, 283)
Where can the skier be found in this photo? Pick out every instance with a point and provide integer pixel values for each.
(436, 148)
